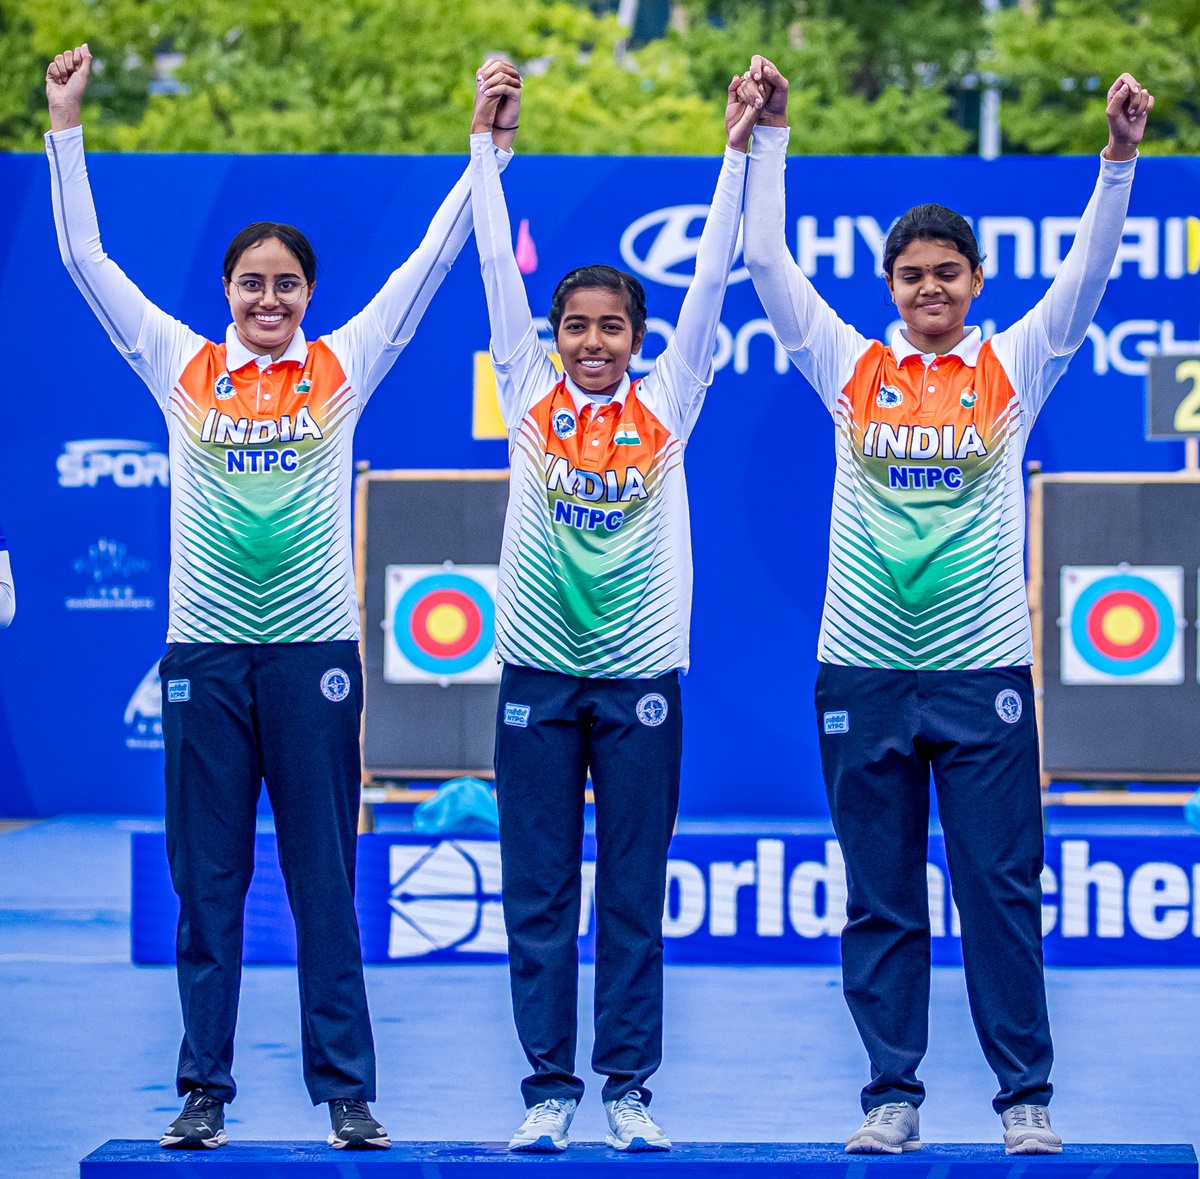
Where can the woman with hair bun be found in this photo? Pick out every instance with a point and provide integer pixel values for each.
(592, 624)
(261, 680)
(925, 641)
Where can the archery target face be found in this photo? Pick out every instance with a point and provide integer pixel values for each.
(1122, 624)
(440, 624)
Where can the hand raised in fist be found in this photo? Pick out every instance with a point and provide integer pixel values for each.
(66, 82)
(1128, 105)
(497, 101)
(774, 88)
(745, 102)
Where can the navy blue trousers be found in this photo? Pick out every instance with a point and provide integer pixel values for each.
(550, 730)
(235, 716)
(882, 732)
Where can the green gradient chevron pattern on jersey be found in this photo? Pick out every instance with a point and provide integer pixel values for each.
(584, 603)
(257, 559)
(930, 578)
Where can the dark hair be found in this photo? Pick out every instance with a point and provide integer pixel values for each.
(606, 278)
(287, 235)
(924, 223)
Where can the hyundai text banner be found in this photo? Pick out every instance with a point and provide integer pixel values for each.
(83, 468)
(1108, 900)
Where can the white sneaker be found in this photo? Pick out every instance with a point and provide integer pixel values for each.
(889, 1129)
(545, 1127)
(1027, 1131)
(630, 1126)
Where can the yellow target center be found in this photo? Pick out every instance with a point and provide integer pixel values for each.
(1122, 626)
(446, 624)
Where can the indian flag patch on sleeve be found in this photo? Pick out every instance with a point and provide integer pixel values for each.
(628, 436)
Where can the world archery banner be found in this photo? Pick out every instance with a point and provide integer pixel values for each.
(1122, 624)
(440, 624)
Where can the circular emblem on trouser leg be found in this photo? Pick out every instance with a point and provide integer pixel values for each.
(1008, 706)
(335, 685)
(652, 709)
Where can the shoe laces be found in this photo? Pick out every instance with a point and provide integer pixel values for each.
(885, 1115)
(349, 1108)
(553, 1109)
(198, 1102)
(631, 1109)
(1032, 1117)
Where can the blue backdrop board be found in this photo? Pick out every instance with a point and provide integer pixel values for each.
(1109, 899)
(753, 1160)
(83, 477)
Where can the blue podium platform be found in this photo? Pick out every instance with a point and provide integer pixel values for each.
(705, 1160)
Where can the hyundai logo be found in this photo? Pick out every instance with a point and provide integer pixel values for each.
(668, 256)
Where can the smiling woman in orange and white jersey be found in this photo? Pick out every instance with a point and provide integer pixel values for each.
(592, 619)
(262, 677)
(925, 642)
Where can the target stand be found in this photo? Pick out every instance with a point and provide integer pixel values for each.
(741, 1160)
(1114, 564)
(427, 552)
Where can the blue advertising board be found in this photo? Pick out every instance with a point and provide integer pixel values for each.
(83, 475)
(754, 899)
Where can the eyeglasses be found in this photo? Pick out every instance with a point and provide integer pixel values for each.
(287, 290)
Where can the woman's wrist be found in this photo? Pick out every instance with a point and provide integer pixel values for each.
(1118, 152)
(61, 120)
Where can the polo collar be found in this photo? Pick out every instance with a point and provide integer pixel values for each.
(237, 355)
(581, 398)
(967, 349)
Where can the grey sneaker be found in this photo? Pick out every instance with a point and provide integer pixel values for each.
(630, 1126)
(1027, 1131)
(888, 1129)
(545, 1127)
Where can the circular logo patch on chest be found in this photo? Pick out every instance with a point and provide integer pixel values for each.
(564, 423)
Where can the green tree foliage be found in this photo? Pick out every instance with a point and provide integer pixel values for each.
(398, 75)
(364, 75)
(867, 75)
(1058, 60)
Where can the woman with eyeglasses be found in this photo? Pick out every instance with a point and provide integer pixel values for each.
(261, 680)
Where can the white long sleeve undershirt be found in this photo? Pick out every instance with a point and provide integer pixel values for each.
(8, 594)
(1034, 351)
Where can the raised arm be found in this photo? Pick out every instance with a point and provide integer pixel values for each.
(820, 345)
(156, 345)
(522, 366)
(8, 596)
(691, 345)
(1035, 350)
(371, 341)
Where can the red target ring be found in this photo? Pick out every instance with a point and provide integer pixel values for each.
(445, 623)
(1123, 625)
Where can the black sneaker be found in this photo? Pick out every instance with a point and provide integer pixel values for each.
(354, 1128)
(200, 1126)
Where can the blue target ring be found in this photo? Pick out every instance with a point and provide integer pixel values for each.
(1154, 599)
(421, 652)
